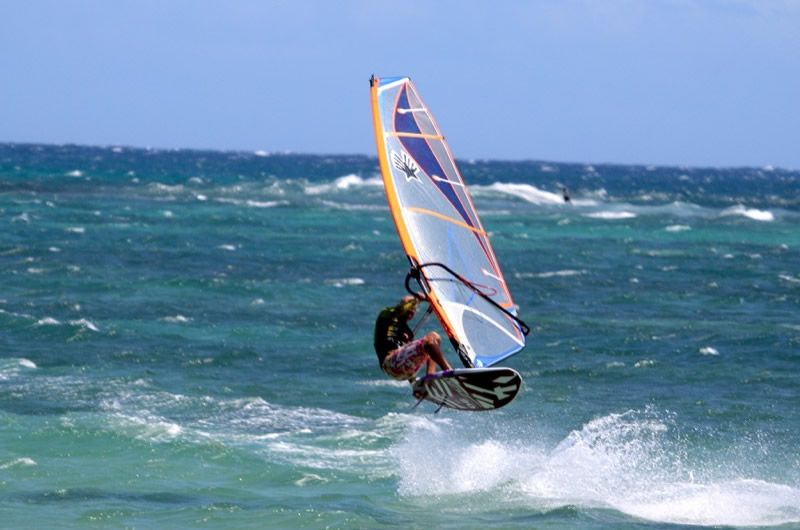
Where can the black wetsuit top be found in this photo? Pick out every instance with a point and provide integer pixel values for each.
(391, 331)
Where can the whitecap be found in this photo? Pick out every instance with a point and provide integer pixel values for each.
(75, 230)
(252, 203)
(177, 319)
(343, 183)
(611, 215)
(48, 321)
(84, 323)
(385, 382)
(166, 188)
(24, 461)
(265, 204)
(678, 228)
(74, 173)
(789, 278)
(343, 282)
(529, 193)
(352, 247)
(27, 363)
(261, 153)
(750, 213)
(310, 479)
(21, 218)
(355, 207)
(551, 274)
(708, 350)
(644, 363)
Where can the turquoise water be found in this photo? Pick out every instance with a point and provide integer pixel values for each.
(185, 342)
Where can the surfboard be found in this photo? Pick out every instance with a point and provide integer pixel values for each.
(472, 389)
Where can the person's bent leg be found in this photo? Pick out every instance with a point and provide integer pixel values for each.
(434, 351)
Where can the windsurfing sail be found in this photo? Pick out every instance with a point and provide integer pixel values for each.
(449, 250)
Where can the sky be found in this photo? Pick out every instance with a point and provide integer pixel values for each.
(661, 82)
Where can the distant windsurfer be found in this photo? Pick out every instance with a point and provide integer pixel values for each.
(565, 194)
(399, 354)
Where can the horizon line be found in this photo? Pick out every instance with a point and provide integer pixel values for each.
(467, 160)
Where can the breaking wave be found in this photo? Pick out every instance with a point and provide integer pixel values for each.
(632, 462)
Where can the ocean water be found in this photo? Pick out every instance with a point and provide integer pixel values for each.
(185, 342)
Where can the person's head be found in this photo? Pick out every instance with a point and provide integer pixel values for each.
(408, 307)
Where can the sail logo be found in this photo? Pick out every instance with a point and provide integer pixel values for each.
(406, 164)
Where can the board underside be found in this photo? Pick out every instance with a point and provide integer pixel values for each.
(473, 389)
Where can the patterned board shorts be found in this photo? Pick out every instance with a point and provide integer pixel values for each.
(405, 361)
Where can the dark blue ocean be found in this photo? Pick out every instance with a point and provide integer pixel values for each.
(186, 342)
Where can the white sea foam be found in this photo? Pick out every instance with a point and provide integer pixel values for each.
(230, 248)
(751, 213)
(355, 207)
(166, 188)
(252, 203)
(343, 183)
(24, 461)
(678, 228)
(611, 215)
(48, 321)
(789, 278)
(345, 282)
(529, 193)
(627, 462)
(76, 230)
(11, 368)
(708, 350)
(177, 319)
(279, 433)
(27, 363)
(385, 382)
(550, 274)
(85, 324)
(74, 173)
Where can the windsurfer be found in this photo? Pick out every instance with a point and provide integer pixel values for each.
(399, 354)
